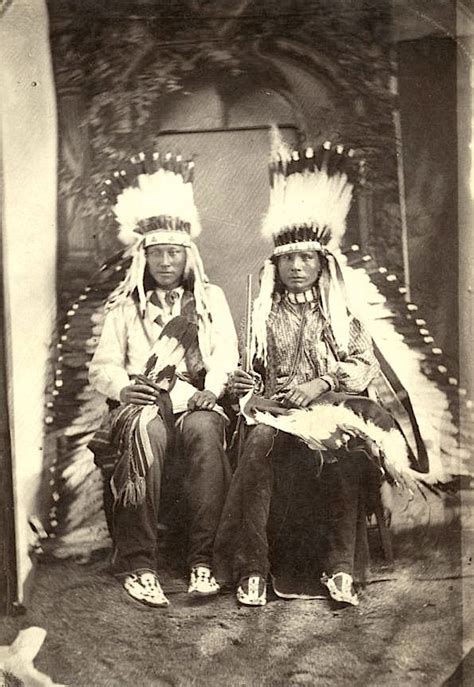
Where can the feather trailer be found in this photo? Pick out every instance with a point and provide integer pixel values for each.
(80, 543)
(443, 414)
(76, 522)
(436, 419)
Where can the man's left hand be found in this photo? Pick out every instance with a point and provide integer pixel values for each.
(301, 395)
(202, 400)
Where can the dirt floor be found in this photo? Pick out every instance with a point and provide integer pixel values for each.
(408, 628)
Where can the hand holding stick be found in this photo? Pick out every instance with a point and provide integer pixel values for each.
(243, 379)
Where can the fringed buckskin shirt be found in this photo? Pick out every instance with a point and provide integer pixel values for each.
(301, 347)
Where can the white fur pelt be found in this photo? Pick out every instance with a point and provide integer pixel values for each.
(16, 660)
(327, 426)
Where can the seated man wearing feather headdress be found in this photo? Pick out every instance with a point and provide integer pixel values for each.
(301, 488)
(167, 346)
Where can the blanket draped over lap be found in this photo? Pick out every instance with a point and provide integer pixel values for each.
(123, 433)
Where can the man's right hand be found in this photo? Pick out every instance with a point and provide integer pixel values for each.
(242, 382)
(266, 405)
(143, 392)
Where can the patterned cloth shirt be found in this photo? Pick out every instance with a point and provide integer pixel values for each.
(301, 348)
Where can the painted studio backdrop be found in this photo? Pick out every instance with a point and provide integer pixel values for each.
(208, 88)
(207, 79)
(132, 78)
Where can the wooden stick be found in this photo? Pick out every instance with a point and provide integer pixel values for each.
(247, 361)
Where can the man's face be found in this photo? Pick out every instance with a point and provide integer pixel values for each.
(166, 265)
(299, 270)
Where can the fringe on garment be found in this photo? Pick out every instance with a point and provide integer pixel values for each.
(128, 482)
(132, 493)
(125, 430)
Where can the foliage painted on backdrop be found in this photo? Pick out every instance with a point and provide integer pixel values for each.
(124, 64)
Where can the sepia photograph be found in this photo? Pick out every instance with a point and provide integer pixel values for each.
(236, 343)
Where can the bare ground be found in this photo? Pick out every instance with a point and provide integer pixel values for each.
(407, 630)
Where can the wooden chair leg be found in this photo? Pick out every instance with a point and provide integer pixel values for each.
(384, 534)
